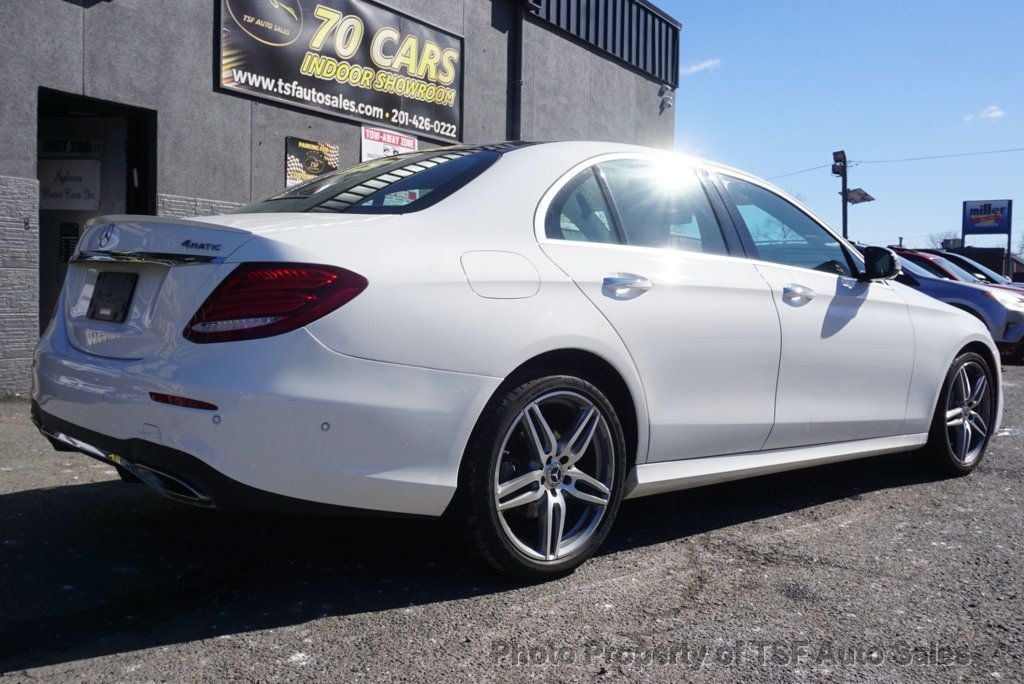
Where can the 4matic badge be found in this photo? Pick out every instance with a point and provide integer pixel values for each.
(208, 246)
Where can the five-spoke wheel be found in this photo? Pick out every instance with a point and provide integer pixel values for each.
(547, 502)
(968, 412)
(543, 476)
(964, 417)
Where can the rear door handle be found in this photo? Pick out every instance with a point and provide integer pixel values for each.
(625, 286)
(797, 294)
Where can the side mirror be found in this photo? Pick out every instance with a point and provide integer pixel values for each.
(880, 263)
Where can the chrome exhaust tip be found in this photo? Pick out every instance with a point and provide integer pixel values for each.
(163, 483)
(170, 486)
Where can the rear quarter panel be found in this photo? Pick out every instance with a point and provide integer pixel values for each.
(419, 308)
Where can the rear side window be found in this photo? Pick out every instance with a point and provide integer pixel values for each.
(580, 212)
(662, 205)
(392, 185)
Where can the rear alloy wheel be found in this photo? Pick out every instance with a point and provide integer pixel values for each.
(543, 477)
(964, 416)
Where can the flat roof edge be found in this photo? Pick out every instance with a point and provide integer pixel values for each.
(660, 12)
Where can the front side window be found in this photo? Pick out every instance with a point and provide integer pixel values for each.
(784, 234)
(662, 204)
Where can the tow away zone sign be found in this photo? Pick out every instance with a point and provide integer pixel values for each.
(380, 142)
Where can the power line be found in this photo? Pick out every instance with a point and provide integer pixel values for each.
(904, 159)
(938, 156)
(794, 173)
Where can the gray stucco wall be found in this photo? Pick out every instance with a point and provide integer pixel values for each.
(572, 93)
(212, 144)
(37, 54)
(216, 150)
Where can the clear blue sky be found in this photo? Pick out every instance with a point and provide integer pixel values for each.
(777, 85)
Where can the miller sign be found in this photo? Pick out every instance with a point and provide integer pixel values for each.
(986, 217)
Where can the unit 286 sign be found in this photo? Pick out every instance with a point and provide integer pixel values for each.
(346, 58)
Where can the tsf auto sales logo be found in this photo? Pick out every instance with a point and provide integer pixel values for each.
(272, 22)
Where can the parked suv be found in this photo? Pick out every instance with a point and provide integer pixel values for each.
(976, 269)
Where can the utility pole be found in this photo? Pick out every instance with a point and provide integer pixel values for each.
(839, 169)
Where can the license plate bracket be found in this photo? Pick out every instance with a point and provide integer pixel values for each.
(112, 296)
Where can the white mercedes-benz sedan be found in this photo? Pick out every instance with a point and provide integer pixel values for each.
(519, 336)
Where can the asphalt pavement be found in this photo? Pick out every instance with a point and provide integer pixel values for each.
(873, 570)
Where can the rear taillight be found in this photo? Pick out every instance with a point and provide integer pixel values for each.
(264, 299)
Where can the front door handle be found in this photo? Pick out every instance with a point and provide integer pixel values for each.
(797, 294)
(625, 286)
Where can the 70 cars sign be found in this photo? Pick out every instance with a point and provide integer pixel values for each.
(347, 58)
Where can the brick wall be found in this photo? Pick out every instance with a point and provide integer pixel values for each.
(19, 281)
(19, 271)
(183, 207)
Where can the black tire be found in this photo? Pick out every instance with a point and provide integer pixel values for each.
(941, 451)
(1013, 356)
(490, 534)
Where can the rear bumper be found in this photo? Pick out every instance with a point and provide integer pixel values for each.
(294, 420)
(172, 473)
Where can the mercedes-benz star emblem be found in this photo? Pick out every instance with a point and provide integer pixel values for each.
(108, 232)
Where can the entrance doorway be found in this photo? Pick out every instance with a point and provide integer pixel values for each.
(95, 158)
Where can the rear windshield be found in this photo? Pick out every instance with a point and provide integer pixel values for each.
(390, 185)
(960, 273)
(975, 269)
(911, 267)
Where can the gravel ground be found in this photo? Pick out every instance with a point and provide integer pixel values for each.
(864, 571)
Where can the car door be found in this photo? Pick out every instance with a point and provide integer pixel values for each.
(641, 240)
(847, 345)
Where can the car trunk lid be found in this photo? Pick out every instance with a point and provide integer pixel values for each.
(134, 279)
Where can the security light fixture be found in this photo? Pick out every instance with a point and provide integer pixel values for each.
(840, 167)
(839, 163)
